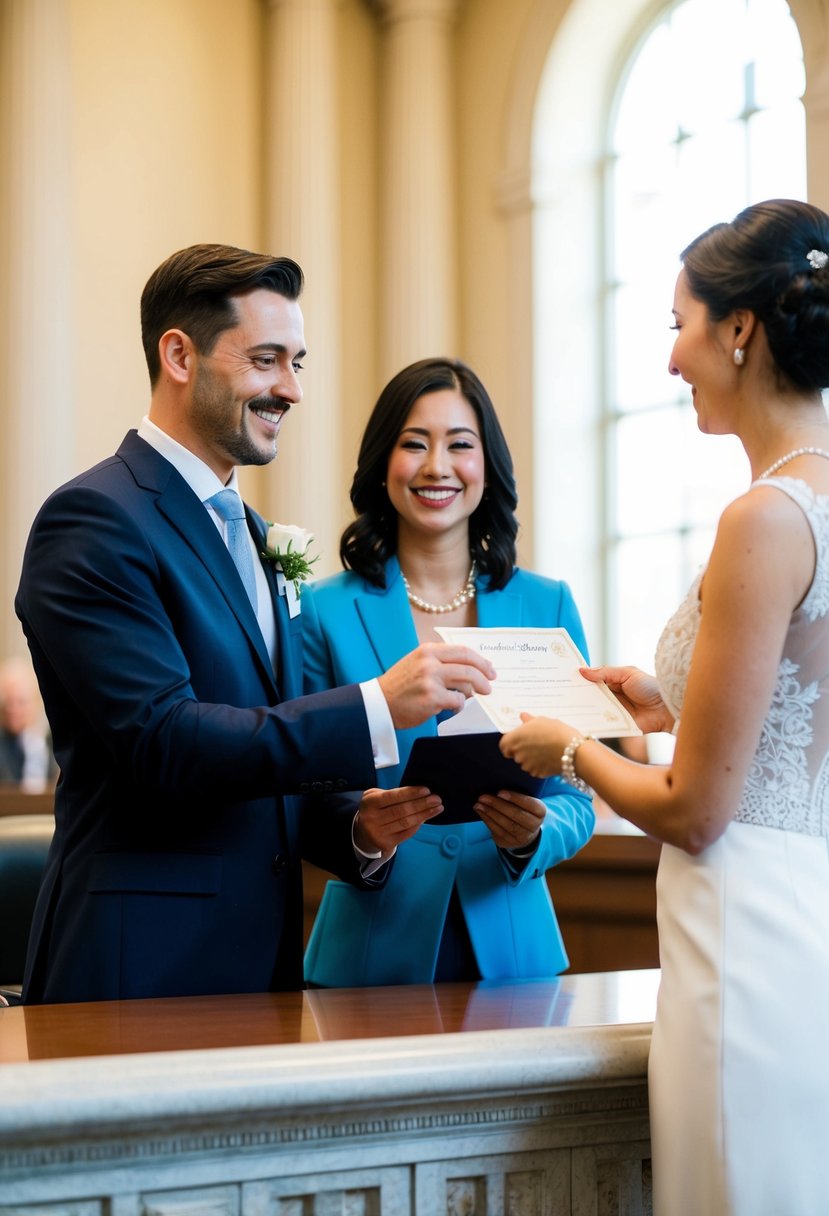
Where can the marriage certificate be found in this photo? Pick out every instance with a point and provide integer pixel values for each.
(537, 673)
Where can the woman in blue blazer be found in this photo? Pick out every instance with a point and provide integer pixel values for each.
(433, 542)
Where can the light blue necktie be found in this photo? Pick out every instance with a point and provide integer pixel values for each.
(229, 507)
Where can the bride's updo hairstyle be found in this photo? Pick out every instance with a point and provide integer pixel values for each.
(773, 259)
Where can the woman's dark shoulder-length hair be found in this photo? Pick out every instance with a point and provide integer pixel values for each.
(371, 539)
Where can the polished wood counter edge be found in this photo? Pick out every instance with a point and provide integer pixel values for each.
(378, 1044)
(100, 1028)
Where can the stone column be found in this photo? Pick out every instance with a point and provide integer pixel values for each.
(418, 182)
(36, 322)
(812, 20)
(302, 213)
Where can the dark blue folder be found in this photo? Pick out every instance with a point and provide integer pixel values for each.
(462, 767)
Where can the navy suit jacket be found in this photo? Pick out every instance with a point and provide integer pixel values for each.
(175, 865)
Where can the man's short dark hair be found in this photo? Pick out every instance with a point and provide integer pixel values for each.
(192, 291)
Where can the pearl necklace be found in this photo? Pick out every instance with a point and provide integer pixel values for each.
(466, 593)
(778, 464)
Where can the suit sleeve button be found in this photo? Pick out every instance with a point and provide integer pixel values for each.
(279, 863)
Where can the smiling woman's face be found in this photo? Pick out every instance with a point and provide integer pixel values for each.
(436, 470)
(701, 357)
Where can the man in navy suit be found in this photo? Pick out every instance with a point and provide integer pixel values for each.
(173, 696)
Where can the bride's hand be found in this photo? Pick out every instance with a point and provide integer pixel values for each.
(638, 692)
(537, 745)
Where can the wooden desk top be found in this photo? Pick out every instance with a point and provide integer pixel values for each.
(14, 802)
(50, 1032)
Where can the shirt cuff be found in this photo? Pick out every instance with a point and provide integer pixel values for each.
(525, 850)
(380, 725)
(370, 863)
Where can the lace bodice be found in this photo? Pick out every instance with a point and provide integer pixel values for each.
(788, 783)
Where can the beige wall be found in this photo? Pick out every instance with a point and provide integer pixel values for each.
(163, 137)
(166, 152)
(502, 49)
(359, 130)
(165, 142)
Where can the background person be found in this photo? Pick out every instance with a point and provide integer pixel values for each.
(26, 760)
(172, 676)
(433, 542)
(739, 1071)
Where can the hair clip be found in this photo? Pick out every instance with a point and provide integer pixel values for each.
(817, 259)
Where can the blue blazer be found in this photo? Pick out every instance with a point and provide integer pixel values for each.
(355, 631)
(175, 866)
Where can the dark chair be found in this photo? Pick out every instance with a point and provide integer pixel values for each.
(24, 843)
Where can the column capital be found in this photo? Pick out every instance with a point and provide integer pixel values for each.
(392, 12)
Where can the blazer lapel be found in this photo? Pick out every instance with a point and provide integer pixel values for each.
(386, 618)
(498, 609)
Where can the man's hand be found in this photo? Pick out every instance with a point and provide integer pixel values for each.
(388, 817)
(433, 678)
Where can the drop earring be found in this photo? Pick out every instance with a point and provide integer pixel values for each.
(739, 356)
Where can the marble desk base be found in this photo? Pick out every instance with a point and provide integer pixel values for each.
(513, 1118)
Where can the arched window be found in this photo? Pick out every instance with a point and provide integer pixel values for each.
(707, 118)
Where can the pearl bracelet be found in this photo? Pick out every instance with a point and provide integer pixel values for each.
(568, 768)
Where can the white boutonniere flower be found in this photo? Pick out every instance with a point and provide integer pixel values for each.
(287, 547)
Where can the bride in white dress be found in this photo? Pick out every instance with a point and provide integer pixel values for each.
(739, 1065)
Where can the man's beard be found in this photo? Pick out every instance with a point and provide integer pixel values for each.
(214, 411)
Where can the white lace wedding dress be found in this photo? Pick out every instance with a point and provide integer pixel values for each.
(739, 1066)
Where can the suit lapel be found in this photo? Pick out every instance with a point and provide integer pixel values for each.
(189, 519)
(288, 628)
